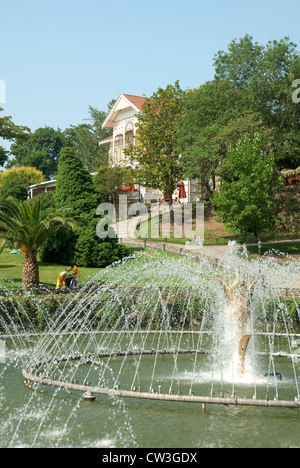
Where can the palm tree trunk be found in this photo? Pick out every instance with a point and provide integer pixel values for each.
(31, 276)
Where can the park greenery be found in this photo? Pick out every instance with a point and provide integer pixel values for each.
(236, 134)
(157, 149)
(247, 187)
(27, 227)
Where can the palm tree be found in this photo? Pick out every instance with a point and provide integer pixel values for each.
(28, 227)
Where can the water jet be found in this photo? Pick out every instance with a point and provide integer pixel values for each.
(119, 342)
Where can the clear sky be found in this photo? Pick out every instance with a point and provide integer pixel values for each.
(58, 57)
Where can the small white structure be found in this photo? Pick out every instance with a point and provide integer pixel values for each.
(41, 187)
(44, 187)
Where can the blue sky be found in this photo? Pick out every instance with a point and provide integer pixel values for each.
(59, 57)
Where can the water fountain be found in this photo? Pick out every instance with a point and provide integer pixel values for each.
(160, 328)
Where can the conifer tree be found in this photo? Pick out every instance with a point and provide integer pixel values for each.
(75, 188)
(76, 191)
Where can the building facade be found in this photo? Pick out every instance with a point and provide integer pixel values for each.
(123, 121)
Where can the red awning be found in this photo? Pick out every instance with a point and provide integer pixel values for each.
(128, 189)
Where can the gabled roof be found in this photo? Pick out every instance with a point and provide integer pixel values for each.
(137, 101)
(123, 102)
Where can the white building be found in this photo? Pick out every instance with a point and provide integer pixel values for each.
(41, 187)
(123, 121)
(44, 187)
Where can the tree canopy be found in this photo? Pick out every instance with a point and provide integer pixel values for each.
(85, 139)
(40, 149)
(267, 73)
(9, 131)
(15, 182)
(247, 183)
(252, 91)
(157, 149)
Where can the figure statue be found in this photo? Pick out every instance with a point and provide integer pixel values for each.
(238, 297)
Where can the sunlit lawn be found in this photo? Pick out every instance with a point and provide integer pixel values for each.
(11, 266)
(289, 248)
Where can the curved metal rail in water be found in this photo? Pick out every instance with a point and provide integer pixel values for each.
(30, 373)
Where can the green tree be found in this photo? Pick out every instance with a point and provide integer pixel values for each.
(28, 227)
(90, 251)
(10, 131)
(247, 184)
(74, 187)
(252, 90)
(109, 180)
(76, 191)
(214, 116)
(266, 73)
(40, 150)
(85, 139)
(157, 149)
(15, 182)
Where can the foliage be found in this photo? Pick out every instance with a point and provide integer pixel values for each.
(157, 151)
(76, 191)
(27, 227)
(84, 138)
(90, 251)
(41, 150)
(266, 73)
(9, 131)
(252, 90)
(59, 248)
(15, 182)
(109, 180)
(74, 187)
(214, 117)
(248, 182)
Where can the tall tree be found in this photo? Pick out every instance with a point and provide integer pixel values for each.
(40, 150)
(29, 227)
(75, 188)
(85, 139)
(248, 181)
(77, 191)
(214, 116)
(157, 149)
(266, 73)
(10, 131)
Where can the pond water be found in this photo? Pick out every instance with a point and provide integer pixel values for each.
(173, 335)
(47, 417)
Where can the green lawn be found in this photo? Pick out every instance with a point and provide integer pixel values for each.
(11, 270)
(290, 248)
(11, 267)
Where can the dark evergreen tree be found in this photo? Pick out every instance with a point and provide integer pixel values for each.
(76, 192)
(75, 188)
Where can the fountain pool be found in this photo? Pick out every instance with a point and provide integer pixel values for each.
(148, 355)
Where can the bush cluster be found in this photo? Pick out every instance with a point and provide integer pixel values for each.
(78, 196)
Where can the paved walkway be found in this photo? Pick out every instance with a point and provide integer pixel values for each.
(215, 254)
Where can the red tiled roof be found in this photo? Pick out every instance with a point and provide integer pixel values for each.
(106, 140)
(137, 101)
